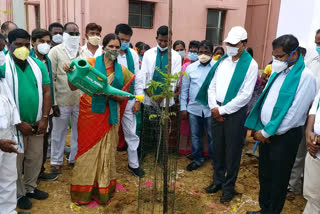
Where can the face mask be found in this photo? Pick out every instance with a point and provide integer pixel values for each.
(193, 56)
(124, 46)
(217, 57)
(43, 48)
(232, 51)
(318, 50)
(21, 53)
(2, 58)
(94, 40)
(71, 44)
(182, 53)
(111, 54)
(57, 38)
(278, 66)
(204, 58)
(162, 49)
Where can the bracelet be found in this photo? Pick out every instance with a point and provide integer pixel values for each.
(44, 116)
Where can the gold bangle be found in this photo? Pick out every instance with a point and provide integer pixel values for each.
(45, 116)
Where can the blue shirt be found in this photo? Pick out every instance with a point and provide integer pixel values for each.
(197, 73)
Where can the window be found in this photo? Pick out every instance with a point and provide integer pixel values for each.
(141, 14)
(215, 25)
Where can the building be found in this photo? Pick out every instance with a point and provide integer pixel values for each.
(192, 19)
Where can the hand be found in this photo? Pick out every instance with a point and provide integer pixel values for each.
(220, 119)
(42, 125)
(56, 111)
(25, 128)
(66, 68)
(259, 137)
(8, 146)
(136, 107)
(183, 115)
(312, 146)
(215, 112)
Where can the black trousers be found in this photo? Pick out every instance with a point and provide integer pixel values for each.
(228, 143)
(275, 164)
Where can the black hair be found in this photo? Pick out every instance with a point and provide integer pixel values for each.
(5, 25)
(206, 44)
(250, 51)
(163, 31)
(218, 48)
(93, 26)
(130, 45)
(2, 37)
(144, 47)
(194, 44)
(318, 31)
(287, 42)
(179, 42)
(244, 41)
(39, 33)
(55, 24)
(302, 50)
(109, 37)
(18, 33)
(123, 28)
(69, 23)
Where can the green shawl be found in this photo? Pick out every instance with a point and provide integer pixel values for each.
(235, 83)
(131, 67)
(161, 66)
(284, 101)
(99, 102)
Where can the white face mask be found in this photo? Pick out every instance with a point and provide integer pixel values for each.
(2, 58)
(57, 38)
(204, 58)
(71, 44)
(278, 66)
(162, 49)
(232, 51)
(43, 48)
(182, 53)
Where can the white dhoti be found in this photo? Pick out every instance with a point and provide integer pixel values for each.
(129, 126)
(311, 187)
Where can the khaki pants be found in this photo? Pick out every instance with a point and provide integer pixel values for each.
(311, 187)
(29, 164)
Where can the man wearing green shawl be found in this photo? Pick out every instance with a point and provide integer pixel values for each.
(132, 114)
(278, 118)
(227, 90)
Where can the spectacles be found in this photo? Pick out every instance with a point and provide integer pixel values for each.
(279, 56)
(74, 33)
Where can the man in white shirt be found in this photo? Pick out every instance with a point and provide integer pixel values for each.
(67, 100)
(278, 118)
(92, 48)
(130, 59)
(228, 95)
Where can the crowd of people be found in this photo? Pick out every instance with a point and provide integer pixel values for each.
(220, 96)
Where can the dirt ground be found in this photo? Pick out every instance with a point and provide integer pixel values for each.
(190, 195)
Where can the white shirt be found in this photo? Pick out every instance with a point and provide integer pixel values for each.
(315, 111)
(297, 113)
(147, 70)
(314, 66)
(139, 83)
(219, 86)
(85, 53)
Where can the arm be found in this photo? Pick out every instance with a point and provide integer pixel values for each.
(138, 83)
(54, 65)
(184, 95)
(176, 68)
(43, 123)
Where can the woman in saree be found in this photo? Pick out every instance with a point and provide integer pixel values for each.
(94, 174)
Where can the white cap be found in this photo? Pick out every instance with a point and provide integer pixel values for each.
(236, 34)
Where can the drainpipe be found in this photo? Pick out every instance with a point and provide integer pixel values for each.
(266, 33)
(82, 20)
(19, 15)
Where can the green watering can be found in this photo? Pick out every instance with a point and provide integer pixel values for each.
(91, 81)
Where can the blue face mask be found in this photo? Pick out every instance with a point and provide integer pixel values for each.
(193, 56)
(318, 50)
(124, 46)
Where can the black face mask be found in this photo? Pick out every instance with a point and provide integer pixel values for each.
(206, 63)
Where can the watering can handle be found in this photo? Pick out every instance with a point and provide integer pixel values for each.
(72, 64)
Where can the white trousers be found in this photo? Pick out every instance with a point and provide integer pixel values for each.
(59, 134)
(129, 126)
(311, 185)
(8, 186)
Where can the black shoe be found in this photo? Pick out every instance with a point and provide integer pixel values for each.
(254, 212)
(37, 194)
(55, 170)
(23, 213)
(193, 166)
(213, 188)
(48, 177)
(226, 197)
(138, 172)
(190, 157)
(24, 203)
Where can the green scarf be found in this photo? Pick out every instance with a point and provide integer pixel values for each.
(33, 54)
(284, 101)
(131, 67)
(235, 83)
(161, 66)
(99, 102)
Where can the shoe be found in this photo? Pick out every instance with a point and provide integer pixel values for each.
(190, 157)
(23, 213)
(226, 197)
(37, 194)
(193, 166)
(213, 188)
(55, 170)
(254, 212)
(24, 203)
(48, 176)
(138, 172)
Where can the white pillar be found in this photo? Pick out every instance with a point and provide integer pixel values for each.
(19, 16)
